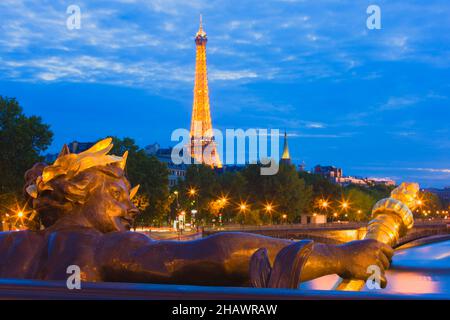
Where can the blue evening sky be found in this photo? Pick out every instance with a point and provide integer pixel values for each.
(374, 102)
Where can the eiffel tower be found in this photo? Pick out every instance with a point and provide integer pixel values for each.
(203, 146)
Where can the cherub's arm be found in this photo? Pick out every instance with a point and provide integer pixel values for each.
(222, 259)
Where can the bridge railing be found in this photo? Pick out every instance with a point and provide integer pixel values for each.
(238, 227)
(330, 225)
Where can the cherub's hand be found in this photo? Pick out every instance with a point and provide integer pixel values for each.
(358, 255)
(407, 193)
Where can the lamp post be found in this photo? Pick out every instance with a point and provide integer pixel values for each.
(223, 202)
(243, 207)
(335, 215)
(268, 207)
(176, 195)
(193, 193)
(324, 204)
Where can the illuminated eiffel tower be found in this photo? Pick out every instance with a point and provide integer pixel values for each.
(203, 146)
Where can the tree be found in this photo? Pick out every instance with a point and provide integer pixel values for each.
(233, 188)
(360, 204)
(285, 191)
(431, 205)
(22, 139)
(322, 188)
(251, 217)
(152, 175)
(379, 191)
(204, 180)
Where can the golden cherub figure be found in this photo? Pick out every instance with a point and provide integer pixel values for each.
(84, 202)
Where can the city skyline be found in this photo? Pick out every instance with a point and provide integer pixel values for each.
(373, 102)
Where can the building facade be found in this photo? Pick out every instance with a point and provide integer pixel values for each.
(313, 218)
(336, 175)
(177, 172)
(329, 172)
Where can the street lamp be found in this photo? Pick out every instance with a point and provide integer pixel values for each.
(176, 194)
(192, 192)
(223, 200)
(324, 204)
(268, 207)
(335, 215)
(243, 207)
(345, 205)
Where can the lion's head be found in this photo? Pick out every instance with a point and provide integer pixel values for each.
(91, 186)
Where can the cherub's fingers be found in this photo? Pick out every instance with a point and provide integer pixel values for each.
(387, 250)
(384, 260)
(383, 282)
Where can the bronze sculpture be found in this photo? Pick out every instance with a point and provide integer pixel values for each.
(84, 202)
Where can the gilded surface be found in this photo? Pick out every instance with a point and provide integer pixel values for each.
(84, 202)
(392, 219)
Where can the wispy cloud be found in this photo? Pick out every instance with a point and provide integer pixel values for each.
(306, 42)
(437, 170)
(291, 134)
(315, 125)
(391, 104)
(395, 103)
(396, 168)
(232, 75)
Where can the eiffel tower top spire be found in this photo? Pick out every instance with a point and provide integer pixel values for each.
(200, 32)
